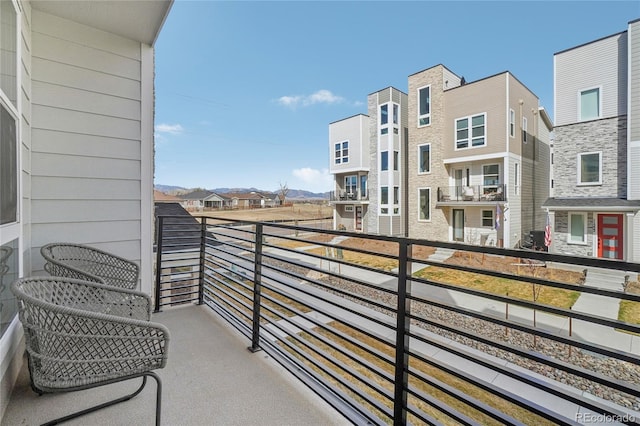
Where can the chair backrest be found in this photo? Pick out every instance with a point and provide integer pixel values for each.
(89, 264)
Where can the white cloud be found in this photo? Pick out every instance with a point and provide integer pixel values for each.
(320, 97)
(173, 129)
(313, 179)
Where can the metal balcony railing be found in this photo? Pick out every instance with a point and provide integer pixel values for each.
(472, 193)
(345, 196)
(384, 344)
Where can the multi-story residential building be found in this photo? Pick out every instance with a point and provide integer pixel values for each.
(595, 210)
(349, 163)
(464, 162)
(367, 159)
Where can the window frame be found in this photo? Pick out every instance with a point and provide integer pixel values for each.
(579, 105)
(348, 208)
(384, 206)
(512, 123)
(570, 239)
(396, 160)
(469, 139)
(341, 152)
(420, 209)
(483, 218)
(384, 161)
(420, 168)
(579, 169)
(427, 116)
(484, 176)
(347, 184)
(525, 129)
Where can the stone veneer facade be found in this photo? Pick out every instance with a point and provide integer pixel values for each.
(608, 136)
(437, 228)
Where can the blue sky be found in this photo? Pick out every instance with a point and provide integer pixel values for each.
(245, 91)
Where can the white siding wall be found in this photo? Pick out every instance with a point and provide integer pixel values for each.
(597, 64)
(89, 165)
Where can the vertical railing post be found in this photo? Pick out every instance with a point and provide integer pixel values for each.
(156, 293)
(257, 280)
(203, 242)
(403, 323)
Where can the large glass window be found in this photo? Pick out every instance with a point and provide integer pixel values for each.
(384, 200)
(384, 115)
(474, 136)
(395, 113)
(524, 129)
(8, 168)
(363, 186)
(491, 175)
(424, 158)
(590, 104)
(424, 106)
(590, 168)
(425, 204)
(384, 160)
(577, 228)
(351, 184)
(342, 152)
(8, 51)
(396, 160)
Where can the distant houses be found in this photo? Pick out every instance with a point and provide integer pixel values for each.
(203, 200)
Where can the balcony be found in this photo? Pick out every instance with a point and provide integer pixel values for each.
(345, 197)
(380, 342)
(472, 194)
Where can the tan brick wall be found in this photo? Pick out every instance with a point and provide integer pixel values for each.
(437, 228)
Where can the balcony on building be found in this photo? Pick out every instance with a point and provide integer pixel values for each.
(476, 195)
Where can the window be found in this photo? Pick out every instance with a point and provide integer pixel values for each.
(476, 133)
(348, 208)
(524, 129)
(577, 228)
(487, 218)
(396, 160)
(424, 204)
(589, 104)
(424, 106)
(384, 115)
(351, 184)
(396, 195)
(8, 168)
(590, 168)
(395, 114)
(491, 175)
(363, 186)
(384, 160)
(384, 200)
(342, 152)
(9, 49)
(424, 158)
(512, 123)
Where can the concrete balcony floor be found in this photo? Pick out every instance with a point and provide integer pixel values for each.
(210, 379)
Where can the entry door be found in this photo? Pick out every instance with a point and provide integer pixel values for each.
(358, 218)
(610, 241)
(458, 225)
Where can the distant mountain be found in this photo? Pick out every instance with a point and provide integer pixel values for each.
(293, 194)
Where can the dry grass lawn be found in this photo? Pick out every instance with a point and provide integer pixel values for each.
(507, 287)
(293, 212)
(630, 311)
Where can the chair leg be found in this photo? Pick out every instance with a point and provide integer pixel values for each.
(118, 400)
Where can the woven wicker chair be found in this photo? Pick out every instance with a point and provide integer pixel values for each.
(81, 335)
(89, 264)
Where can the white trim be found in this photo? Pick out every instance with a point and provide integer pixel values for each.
(428, 188)
(584, 232)
(341, 150)
(147, 66)
(525, 129)
(420, 158)
(579, 171)
(418, 109)
(471, 158)
(579, 119)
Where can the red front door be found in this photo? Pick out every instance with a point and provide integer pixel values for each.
(610, 242)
